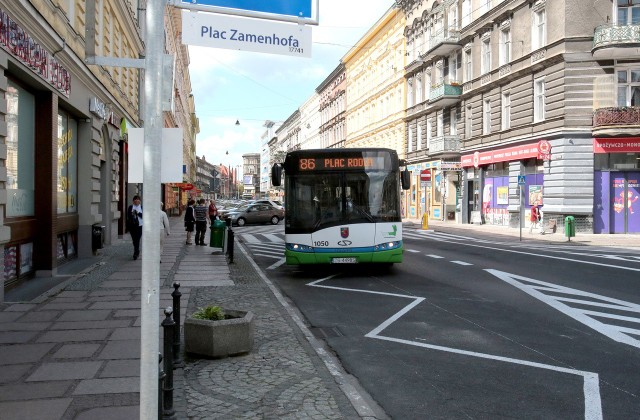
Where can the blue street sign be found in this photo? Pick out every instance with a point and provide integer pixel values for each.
(297, 8)
(521, 180)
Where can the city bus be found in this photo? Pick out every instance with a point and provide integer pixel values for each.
(342, 206)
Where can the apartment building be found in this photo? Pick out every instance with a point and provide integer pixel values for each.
(375, 86)
(511, 96)
(62, 131)
(332, 106)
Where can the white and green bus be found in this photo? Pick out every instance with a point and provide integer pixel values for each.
(342, 205)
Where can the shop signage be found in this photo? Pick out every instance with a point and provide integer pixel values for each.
(501, 155)
(101, 110)
(617, 145)
(185, 186)
(20, 45)
(450, 166)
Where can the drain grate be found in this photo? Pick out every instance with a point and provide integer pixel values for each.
(326, 332)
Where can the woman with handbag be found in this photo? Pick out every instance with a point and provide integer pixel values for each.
(190, 221)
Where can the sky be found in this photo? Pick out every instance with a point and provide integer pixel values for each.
(254, 87)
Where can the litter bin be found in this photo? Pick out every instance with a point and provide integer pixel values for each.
(569, 227)
(217, 233)
(97, 237)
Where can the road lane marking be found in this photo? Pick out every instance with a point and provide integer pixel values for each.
(434, 256)
(615, 332)
(591, 381)
(461, 263)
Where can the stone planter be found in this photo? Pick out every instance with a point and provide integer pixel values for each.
(227, 337)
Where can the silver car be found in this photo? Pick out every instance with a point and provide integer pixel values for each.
(255, 213)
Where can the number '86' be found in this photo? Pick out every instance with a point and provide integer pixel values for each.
(307, 164)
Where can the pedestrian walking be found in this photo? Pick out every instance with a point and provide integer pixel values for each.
(534, 217)
(189, 221)
(213, 210)
(165, 230)
(202, 216)
(134, 224)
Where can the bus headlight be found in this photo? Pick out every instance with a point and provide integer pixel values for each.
(386, 246)
(299, 248)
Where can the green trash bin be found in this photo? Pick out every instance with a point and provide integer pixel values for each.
(217, 233)
(569, 227)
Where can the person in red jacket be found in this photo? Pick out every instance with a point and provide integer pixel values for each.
(534, 217)
(213, 211)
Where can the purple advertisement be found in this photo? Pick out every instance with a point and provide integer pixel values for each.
(601, 206)
(625, 192)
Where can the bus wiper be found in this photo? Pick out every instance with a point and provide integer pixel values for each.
(365, 213)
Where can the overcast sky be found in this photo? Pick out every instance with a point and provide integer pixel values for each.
(254, 87)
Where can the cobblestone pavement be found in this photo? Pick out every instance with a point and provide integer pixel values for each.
(281, 378)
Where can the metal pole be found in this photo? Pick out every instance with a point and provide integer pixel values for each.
(177, 360)
(150, 287)
(521, 212)
(168, 327)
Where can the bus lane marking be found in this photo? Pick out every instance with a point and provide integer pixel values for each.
(591, 381)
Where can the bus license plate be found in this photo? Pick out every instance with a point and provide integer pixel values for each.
(344, 260)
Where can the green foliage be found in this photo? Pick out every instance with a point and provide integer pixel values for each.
(213, 313)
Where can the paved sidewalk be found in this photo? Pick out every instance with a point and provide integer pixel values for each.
(74, 352)
(631, 241)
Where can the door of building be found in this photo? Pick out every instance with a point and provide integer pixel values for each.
(625, 202)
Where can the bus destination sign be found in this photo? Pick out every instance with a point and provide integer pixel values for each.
(338, 163)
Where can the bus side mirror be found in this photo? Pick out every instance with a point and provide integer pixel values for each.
(405, 179)
(276, 175)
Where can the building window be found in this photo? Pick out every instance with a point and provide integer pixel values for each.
(440, 125)
(20, 144)
(539, 32)
(466, 12)
(454, 66)
(468, 66)
(452, 16)
(428, 133)
(419, 136)
(468, 122)
(506, 111)
(538, 100)
(486, 116)
(505, 46)
(410, 93)
(67, 177)
(419, 98)
(485, 5)
(453, 122)
(628, 12)
(628, 87)
(410, 139)
(486, 55)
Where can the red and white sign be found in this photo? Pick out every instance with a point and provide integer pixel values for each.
(544, 150)
(505, 155)
(425, 175)
(618, 145)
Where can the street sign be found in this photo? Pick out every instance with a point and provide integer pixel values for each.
(521, 179)
(233, 33)
(297, 8)
(425, 175)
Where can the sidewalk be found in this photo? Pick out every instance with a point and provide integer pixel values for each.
(508, 233)
(74, 352)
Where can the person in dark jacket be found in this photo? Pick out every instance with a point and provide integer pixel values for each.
(189, 221)
(134, 224)
(202, 216)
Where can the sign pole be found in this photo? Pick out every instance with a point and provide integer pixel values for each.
(521, 212)
(150, 287)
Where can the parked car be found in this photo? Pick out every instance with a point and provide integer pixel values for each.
(255, 213)
(274, 203)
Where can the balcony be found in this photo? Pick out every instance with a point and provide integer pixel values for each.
(443, 43)
(445, 94)
(625, 117)
(445, 146)
(616, 42)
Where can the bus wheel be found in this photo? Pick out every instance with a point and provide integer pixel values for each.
(241, 222)
(274, 220)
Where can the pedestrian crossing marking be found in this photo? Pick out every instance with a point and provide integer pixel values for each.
(559, 298)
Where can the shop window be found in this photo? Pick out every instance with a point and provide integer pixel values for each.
(66, 246)
(67, 179)
(20, 143)
(18, 261)
(497, 169)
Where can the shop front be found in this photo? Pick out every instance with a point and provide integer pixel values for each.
(490, 189)
(616, 185)
(434, 190)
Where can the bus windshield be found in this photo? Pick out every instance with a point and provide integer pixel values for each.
(324, 199)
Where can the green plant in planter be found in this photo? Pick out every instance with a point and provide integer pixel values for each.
(213, 313)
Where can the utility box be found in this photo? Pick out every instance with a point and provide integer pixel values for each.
(569, 227)
(217, 234)
(97, 237)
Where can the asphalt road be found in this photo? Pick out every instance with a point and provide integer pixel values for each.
(477, 327)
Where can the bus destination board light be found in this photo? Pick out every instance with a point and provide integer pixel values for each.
(319, 164)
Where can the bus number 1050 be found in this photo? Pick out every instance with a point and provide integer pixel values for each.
(321, 243)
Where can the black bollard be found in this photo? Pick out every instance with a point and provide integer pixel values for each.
(177, 359)
(161, 376)
(167, 390)
(230, 245)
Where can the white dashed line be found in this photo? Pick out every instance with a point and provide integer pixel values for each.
(434, 256)
(461, 263)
